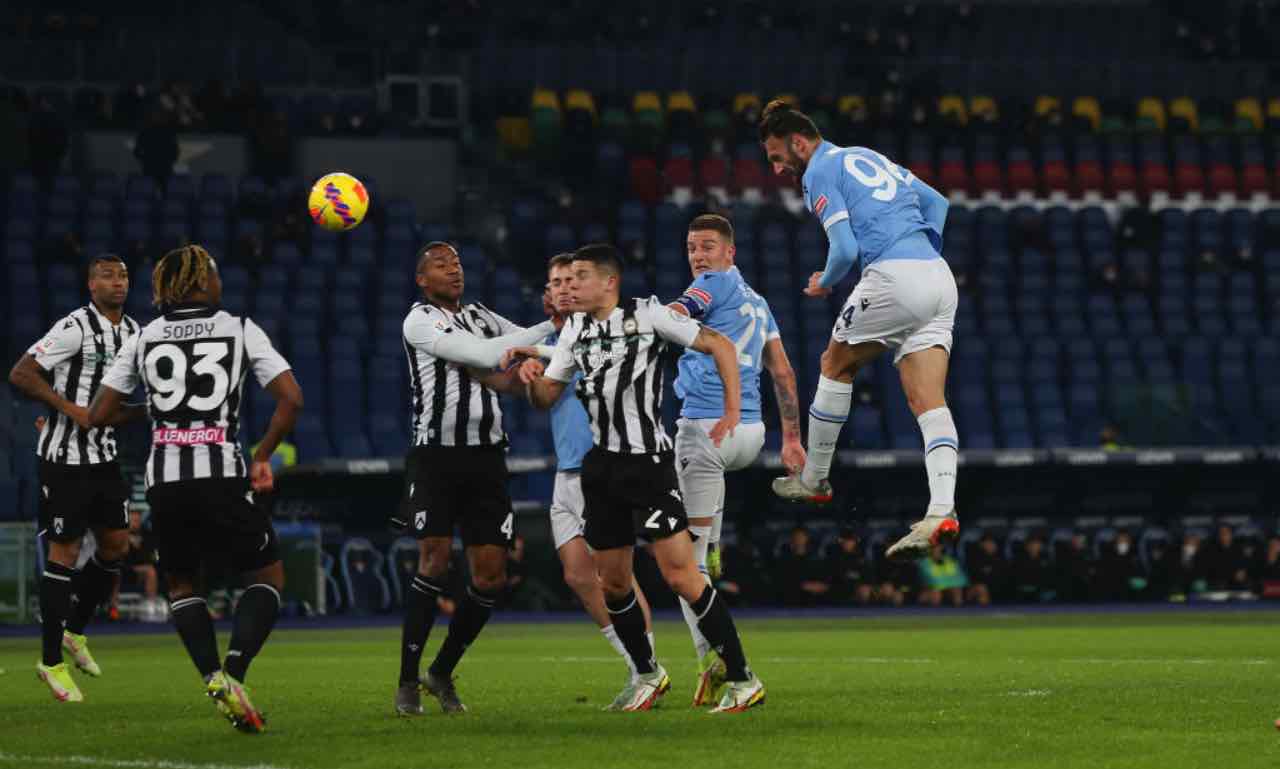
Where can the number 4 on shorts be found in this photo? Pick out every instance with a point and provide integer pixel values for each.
(508, 526)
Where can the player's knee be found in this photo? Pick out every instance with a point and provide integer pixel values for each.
(65, 553)
(581, 579)
(615, 586)
(489, 581)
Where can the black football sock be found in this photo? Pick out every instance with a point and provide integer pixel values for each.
(628, 622)
(93, 585)
(419, 617)
(195, 628)
(468, 621)
(55, 606)
(716, 624)
(256, 615)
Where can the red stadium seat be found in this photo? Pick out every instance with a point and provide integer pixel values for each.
(1254, 179)
(1124, 178)
(1089, 176)
(748, 174)
(953, 177)
(1222, 179)
(1188, 177)
(1155, 178)
(646, 184)
(714, 171)
(1022, 177)
(1057, 177)
(678, 172)
(987, 177)
(924, 171)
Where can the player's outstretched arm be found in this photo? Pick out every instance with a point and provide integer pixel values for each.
(469, 350)
(722, 351)
(288, 394)
(542, 391)
(778, 365)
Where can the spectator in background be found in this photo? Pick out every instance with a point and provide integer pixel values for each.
(1163, 583)
(157, 147)
(941, 577)
(744, 579)
(366, 589)
(1224, 564)
(1077, 570)
(140, 560)
(1190, 566)
(1269, 570)
(898, 580)
(526, 592)
(48, 139)
(988, 572)
(285, 455)
(802, 578)
(1109, 438)
(852, 575)
(1120, 574)
(1033, 578)
(271, 147)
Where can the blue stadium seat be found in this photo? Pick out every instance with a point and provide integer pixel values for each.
(311, 439)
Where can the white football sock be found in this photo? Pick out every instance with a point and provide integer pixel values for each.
(715, 527)
(827, 415)
(611, 636)
(941, 455)
(702, 535)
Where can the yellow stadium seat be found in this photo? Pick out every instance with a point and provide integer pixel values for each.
(985, 106)
(1183, 107)
(646, 101)
(1046, 104)
(1152, 109)
(515, 133)
(1273, 109)
(681, 101)
(744, 101)
(545, 98)
(1088, 108)
(1251, 110)
(952, 106)
(580, 99)
(850, 102)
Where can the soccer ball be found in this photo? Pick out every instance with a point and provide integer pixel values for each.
(338, 201)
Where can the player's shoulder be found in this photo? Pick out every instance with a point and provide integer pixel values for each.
(423, 315)
(74, 320)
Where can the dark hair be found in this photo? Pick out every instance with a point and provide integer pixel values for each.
(714, 222)
(560, 260)
(94, 261)
(780, 120)
(422, 252)
(178, 274)
(602, 255)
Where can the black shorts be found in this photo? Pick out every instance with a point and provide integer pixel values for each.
(74, 498)
(630, 496)
(210, 521)
(448, 487)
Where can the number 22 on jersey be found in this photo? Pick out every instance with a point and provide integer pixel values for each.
(750, 344)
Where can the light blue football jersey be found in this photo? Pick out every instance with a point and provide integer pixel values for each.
(570, 425)
(876, 197)
(725, 303)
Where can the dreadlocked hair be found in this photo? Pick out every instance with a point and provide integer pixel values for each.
(179, 273)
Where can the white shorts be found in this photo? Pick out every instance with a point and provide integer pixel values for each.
(908, 304)
(567, 507)
(701, 466)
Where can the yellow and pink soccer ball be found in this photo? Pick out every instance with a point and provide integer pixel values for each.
(338, 201)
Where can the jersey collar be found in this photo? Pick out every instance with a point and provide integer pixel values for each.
(822, 149)
(189, 310)
(93, 308)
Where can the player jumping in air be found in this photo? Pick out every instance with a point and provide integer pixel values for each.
(881, 218)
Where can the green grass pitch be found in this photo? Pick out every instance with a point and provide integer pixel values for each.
(1168, 691)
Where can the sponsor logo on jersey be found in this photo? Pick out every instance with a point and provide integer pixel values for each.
(193, 436)
(630, 327)
(865, 303)
(820, 205)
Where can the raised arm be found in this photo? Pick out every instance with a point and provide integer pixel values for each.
(443, 341)
(784, 390)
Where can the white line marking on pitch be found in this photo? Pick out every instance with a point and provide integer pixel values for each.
(1030, 693)
(123, 763)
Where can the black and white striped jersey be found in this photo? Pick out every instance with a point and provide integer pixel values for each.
(192, 362)
(79, 350)
(621, 360)
(451, 408)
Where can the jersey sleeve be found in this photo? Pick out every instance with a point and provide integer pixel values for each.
(267, 363)
(670, 325)
(771, 327)
(124, 374)
(504, 326)
(423, 328)
(62, 341)
(563, 366)
(703, 293)
(826, 199)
